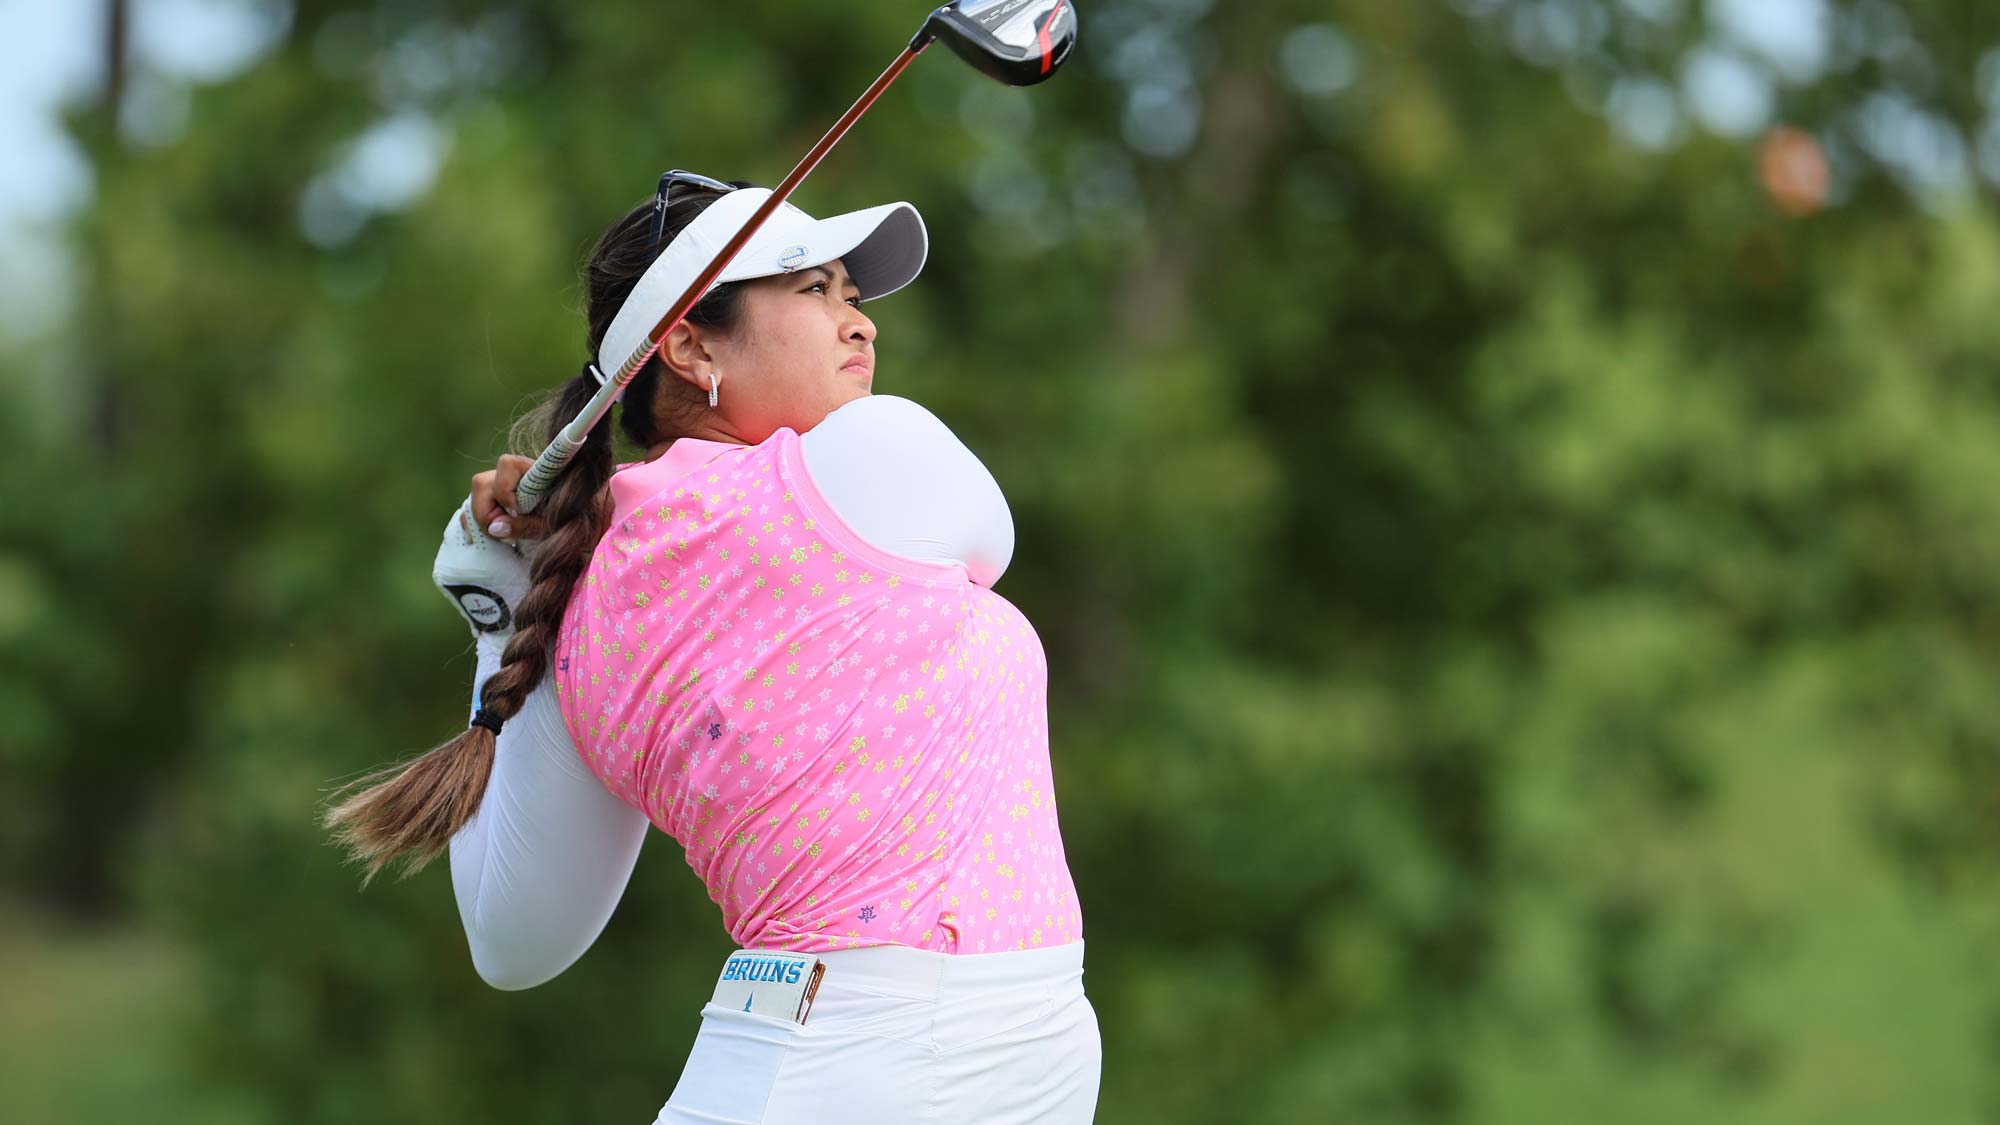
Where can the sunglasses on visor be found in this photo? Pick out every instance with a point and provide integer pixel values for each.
(664, 195)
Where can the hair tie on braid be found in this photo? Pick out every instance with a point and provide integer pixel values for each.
(487, 719)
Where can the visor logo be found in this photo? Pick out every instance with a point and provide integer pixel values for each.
(792, 258)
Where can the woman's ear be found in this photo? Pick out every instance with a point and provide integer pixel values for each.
(686, 355)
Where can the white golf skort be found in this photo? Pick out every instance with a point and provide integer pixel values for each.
(903, 1036)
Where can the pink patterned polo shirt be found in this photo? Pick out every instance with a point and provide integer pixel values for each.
(850, 746)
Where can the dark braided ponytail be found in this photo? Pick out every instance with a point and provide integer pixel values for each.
(414, 808)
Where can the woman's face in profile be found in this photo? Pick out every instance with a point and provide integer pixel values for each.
(802, 349)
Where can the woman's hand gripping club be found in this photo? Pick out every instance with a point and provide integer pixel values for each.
(482, 563)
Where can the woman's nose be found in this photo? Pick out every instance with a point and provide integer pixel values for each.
(860, 328)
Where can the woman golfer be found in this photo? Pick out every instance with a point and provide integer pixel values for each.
(775, 639)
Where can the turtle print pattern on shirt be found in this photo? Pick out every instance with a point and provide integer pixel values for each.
(851, 747)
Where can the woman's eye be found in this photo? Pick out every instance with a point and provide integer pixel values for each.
(823, 287)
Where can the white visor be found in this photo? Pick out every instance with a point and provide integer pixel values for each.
(882, 247)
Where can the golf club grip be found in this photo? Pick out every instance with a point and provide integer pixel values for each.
(541, 476)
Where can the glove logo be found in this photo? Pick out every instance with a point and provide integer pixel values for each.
(485, 609)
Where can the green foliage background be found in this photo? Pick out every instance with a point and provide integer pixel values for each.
(1522, 609)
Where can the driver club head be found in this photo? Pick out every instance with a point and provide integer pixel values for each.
(1019, 42)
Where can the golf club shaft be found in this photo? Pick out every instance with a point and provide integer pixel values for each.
(541, 476)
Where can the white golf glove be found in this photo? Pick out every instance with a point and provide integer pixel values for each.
(484, 578)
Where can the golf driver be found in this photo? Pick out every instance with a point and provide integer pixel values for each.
(1019, 42)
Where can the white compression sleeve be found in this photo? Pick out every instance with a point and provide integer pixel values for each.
(542, 864)
(540, 868)
(904, 482)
